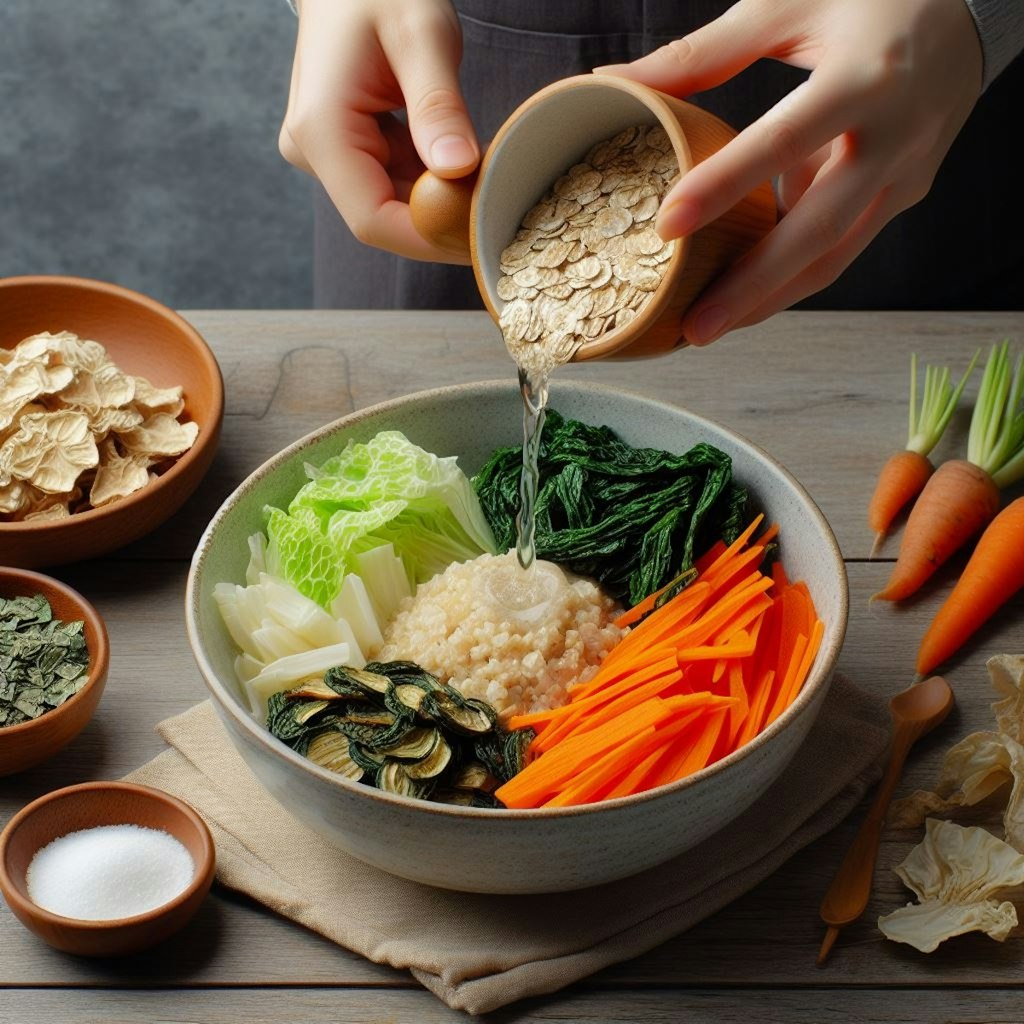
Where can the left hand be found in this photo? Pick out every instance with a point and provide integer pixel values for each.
(860, 141)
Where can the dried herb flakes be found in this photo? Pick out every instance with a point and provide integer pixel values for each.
(43, 661)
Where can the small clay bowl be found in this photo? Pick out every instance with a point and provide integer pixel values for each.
(22, 746)
(91, 805)
(145, 338)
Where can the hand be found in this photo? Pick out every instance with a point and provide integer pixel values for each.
(860, 141)
(357, 61)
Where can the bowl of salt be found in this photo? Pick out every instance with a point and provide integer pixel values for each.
(105, 868)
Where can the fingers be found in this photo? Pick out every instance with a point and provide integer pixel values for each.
(810, 117)
(709, 56)
(425, 60)
(812, 232)
(350, 157)
(824, 271)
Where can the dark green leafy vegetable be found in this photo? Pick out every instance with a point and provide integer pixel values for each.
(43, 661)
(395, 726)
(631, 518)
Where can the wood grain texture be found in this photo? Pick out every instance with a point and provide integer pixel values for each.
(825, 393)
(373, 1006)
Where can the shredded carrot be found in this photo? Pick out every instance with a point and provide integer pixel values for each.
(691, 681)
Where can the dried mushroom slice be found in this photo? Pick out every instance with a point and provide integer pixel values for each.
(106, 421)
(331, 750)
(51, 450)
(150, 398)
(24, 383)
(117, 476)
(958, 875)
(160, 435)
(107, 387)
(1007, 674)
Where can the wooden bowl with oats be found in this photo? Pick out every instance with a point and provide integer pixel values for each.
(99, 443)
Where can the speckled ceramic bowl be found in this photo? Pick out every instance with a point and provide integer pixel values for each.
(510, 851)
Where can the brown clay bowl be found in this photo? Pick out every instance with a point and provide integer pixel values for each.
(90, 805)
(145, 338)
(554, 129)
(22, 746)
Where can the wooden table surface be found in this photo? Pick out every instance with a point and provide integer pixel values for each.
(824, 393)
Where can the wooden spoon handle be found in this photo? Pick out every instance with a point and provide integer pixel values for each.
(850, 890)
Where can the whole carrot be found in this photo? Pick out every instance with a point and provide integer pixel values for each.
(962, 496)
(903, 477)
(993, 575)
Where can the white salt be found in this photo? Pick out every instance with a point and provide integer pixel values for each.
(109, 872)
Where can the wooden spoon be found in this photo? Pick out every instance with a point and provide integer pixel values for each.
(915, 712)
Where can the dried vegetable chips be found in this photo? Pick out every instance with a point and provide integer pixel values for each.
(43, 661)
(395, 726)
(77, 432)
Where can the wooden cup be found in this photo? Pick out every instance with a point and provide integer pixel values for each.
(555, 128)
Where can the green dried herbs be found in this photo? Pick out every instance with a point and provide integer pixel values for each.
(395, 726)
(43, 661)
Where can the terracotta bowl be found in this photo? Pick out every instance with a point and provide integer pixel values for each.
(514, 851)
(90, 805)
(540, 140)
(22, 746)
(142, 337)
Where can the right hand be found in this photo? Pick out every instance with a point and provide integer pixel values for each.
(357, 61)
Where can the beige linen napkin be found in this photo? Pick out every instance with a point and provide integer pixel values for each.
(480, 952)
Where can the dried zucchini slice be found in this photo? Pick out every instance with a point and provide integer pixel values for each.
(416, 744)
(304, 712)
(473, 775)
(431, 766)
(466, 717)
(331, 751)
(409, 695)
(466, 798)
(393, 778)
(367, 759)
(371, 683)
(316, 689)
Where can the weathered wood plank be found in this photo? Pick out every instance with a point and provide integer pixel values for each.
(371, 1006)
(769, 936)
(825, 393)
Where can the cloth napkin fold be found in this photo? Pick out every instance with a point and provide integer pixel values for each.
(480, 952)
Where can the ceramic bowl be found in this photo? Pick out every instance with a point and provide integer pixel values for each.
(25, 745)
(145, 338)
(91, 805)
(540, 140)
(514, 851)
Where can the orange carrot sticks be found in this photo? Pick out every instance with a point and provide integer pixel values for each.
(993, 575)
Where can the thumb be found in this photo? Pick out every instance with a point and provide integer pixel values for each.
(438, 121)
(708, 57)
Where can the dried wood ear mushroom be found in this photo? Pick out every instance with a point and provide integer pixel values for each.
(77, 432)
(587, 259)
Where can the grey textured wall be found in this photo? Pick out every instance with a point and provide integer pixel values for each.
(138, 144)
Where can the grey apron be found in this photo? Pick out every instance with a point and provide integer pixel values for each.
(958, 249)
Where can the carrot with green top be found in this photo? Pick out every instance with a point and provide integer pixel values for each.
(962, 496)
(904, 476)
